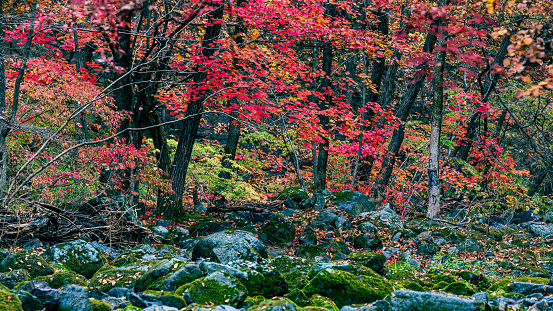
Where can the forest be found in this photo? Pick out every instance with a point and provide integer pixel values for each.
(407, 144)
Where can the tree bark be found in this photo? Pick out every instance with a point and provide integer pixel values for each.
(172, 205)
(435, 130)
(536, 183)
(326, 86)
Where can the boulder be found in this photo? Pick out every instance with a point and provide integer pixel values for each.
(78, 256)
(9, 301)
(548, 217)
(275, 305)
(26, 260)
(48, 296)
(160, 269)
(538, 229)
(379, 305)
(230, 245)
(183, 275)
(217, 288)
(75, 298)
(345, 288)
(421, 301)
(28, 301)
(178, 234)
(386, 217)
(353, 202)
(469, 245)
(109, 277)
(164, 299)
(367, 241)
(368, 227)
(62, 278)
(279, 230)
(373, 261)
(427, 248)
(161, 231)
(527, 289)
(9, 279)
(328, 220)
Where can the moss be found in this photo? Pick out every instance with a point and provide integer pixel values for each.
(439, 276)
(76, 256)
(373, 261)
(98, 305)
(127, 258)
(130, 307)
(460, 288)
(530, 279)
(298, 297)
(286, 264)
(279, 230)
(440, 285)
(275, 284)
(62, 278)
(295, 279)
(252, 301)
(452, 236)
(109, 277)
(255, 284)
(309, 251)
(295, 193)
(34, 264)
(275, 305)
(533, 269)
(166, 298)
(345, 288)
(9, 279)
(344, 195)
(216, 288)
(8, 300)
(474, 278)
(414, 286)
(499, 286)
(323, 302)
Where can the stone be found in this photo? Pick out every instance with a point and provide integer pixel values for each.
(427, 248)
(75, 298)
(368, 227)
(386, 216)
(279, 230)
(275, 305)
(164, 299)
(319, 201)
(78, 256)
(161, 231)
(217, 288)
(373, 261)
(160, 308)
(109, 277)
(353, 202)
(183, 275)
(541, 230)
(548, 217)
(345, 288)
(9, 301)
(28, 301)
(9, 279)
(26, 260)
(164, 222)
(328, 220)
(178, 234)
(469, 245)
(530, 288)
(453, 251)
(379, 305)
(502, 302)
(118, 292)
(160, 269)
(62, 278)
(421, 301)
(367, 241)
(230, 245)
(48, 296)
(482, 296)
(522, 217)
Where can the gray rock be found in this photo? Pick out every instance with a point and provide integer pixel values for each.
(353, 202)
(329, 220)
(188, 273)
(279, 230)
(9, 279)
(482, 296)
(224, 308)
(208, 267)
(161, 231)
(320, 266)
(548, 217)
(527, 289)
(396, 237)
(200, 208)
(385, 216)
(541, 305)
(502, 302)
(75, 298)
(163, 299)
(178, 234)
(230, 245)
(319, 201)
(541, 230)
(469, 245)
(368, 227)
(275, 305)
(427, 248)
(28, 301)
(111, 252)
(78, 256)
(402, 300)
(160, 308)
(118, 292)
(367, 241)
(379, 305)
(164, 222)
(234, 290)
(157, 271)
(48, 296)
(453, 251)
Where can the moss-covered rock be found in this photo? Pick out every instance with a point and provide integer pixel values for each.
(323, 302)
(9, 279)
(474, 278)
(345, 288)
(160, 269)
(373, 261)
(26, 260)
(298, 297)
(460, 288)
(217, 288)
(275, 305)
(130, 307)
(407, 280)
(109, 277)
(279, 230)
(78, 256)
(440, 285)
(62, 278)
(165, 298)
(252, 301)
(8, 300)
(99, 305)
(310, 252)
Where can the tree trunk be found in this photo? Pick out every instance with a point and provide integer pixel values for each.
(232, 144)
(326, 86)
(172, 205)
(122, 56)
(4, 127)
(435, 130)
(536, 183)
